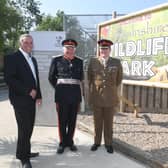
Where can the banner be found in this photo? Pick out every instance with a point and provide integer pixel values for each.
(141, 43)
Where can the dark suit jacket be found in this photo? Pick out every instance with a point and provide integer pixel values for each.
(20, 80)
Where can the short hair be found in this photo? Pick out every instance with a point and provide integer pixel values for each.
(24, 36)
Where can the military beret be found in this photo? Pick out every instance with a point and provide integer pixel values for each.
(69, 42)
(104, 43)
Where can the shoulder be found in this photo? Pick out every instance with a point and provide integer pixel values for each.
(13, 55)
(79, 58)
(93, 59)
(18, 52)
(56, 57)
(115, 60)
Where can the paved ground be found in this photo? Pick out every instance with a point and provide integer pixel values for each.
(45, 140)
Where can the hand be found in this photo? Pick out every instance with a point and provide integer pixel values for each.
(33, 93)
(83, 98)
(39, 101)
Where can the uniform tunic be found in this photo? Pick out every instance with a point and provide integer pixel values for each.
(67, 96)
(103, 90)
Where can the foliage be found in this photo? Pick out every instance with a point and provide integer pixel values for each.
(50, 23)
(29, 11)
(17, 17)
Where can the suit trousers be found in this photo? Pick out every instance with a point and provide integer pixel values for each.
(67, 114)
(25, 118)
(103, 122)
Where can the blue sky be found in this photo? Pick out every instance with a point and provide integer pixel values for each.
(96, 6)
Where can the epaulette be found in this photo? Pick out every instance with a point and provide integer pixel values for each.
(117, 59)
(79, 57)
(56, 56)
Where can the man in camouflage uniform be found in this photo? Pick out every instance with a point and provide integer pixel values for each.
(104, 77)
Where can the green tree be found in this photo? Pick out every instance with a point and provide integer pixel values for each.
(21, 16)
(3, 7)
(52, 23)
(17, 16)
(9, 17)
(29, 11)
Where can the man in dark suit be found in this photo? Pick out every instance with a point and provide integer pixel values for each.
(66, 75)
(104, 77)
(21, 76)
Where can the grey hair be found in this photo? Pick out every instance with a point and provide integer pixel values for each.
(24, 36)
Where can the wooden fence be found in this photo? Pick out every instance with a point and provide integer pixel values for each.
(148, 96)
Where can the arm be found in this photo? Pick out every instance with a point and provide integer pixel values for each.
(89, 74)
(120, 74)
(82, 80)
(52, 73)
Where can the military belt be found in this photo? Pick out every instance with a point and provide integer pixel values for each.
(68, 81)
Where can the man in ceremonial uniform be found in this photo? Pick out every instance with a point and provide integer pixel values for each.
(66, 75)
(104, 77)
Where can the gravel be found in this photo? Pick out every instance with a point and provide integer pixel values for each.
(146, 135)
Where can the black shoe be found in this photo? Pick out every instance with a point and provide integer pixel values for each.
(94, 147)
(34, 154)
(60, 149)
(73, 148)
(109, 149)
(26, 164)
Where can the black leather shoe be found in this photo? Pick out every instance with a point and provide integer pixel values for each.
(73, 148)
(94, 147)
(60, 149)
(26, 164)
(109, 149)
(34, 154)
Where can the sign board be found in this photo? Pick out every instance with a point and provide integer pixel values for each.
(47, 40)
(141, 43)
(46, 44)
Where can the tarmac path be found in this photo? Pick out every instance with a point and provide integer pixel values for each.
(45, 141)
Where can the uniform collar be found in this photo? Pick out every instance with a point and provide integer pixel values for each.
(69, 58)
